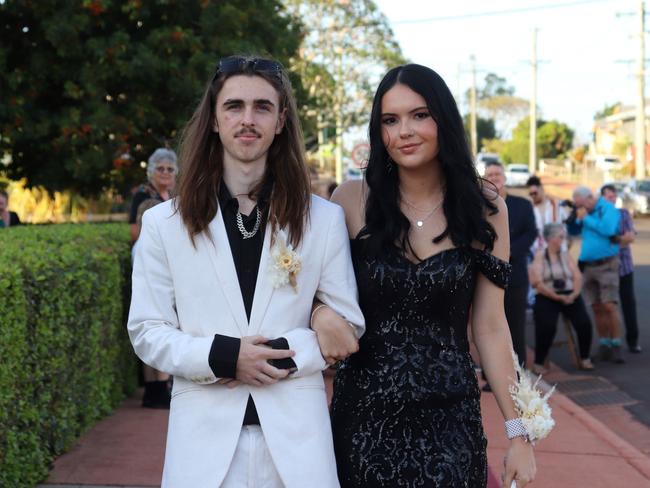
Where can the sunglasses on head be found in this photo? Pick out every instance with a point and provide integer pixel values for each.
(239, 64)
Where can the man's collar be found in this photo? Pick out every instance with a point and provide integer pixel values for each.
(225, 196)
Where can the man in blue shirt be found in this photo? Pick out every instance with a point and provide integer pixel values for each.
(599, 222)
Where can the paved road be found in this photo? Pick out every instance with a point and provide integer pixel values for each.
(632, 378)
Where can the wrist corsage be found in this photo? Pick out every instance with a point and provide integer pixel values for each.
(285, 263)
(531, 406)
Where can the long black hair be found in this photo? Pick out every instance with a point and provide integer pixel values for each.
(465, 202)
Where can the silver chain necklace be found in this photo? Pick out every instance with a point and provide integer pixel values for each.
(420, 222)
(240, 224)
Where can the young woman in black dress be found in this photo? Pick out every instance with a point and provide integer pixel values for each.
(429, 244)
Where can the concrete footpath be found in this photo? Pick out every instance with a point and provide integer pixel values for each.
(580, 452)
(127, 448)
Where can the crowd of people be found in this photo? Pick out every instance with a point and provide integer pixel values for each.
(542, 233)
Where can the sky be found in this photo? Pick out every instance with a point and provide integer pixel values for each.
(586, 49)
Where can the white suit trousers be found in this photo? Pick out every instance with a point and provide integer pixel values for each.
(252, 466)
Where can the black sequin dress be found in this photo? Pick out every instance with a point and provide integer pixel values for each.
(406, 407)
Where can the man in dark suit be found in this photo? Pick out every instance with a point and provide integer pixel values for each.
(523, 231)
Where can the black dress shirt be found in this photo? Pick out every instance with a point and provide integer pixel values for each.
(246, 255)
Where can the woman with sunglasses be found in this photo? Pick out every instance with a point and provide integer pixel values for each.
(161, 173)
(429, 243)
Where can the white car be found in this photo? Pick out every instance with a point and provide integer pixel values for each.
(517, 174)
(483, 160)
(608, 163)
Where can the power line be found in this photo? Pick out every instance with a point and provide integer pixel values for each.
(499, 12)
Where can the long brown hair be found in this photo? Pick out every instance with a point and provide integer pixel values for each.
(201, 159)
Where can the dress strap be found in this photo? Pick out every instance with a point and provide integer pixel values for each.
(494, 269)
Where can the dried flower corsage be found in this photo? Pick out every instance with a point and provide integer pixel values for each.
(285, 263)
(531, 406)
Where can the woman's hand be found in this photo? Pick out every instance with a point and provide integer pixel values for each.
(519, 463)
(336, 337)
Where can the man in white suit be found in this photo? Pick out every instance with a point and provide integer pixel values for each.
(223, 284)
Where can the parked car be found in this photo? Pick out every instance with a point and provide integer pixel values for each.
(517, 174)
(633, 195)
(485, 159)
(607, 163)
(639, 192)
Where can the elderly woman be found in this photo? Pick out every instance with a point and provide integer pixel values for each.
(161, 173)
(557, 280)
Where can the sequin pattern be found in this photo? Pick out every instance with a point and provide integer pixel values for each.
(406, 407)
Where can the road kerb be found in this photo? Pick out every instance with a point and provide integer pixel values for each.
(627, 451)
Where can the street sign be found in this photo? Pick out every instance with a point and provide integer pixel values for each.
(360, 153)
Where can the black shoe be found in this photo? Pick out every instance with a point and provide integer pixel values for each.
(604, 353)
(617, 355)
(635, 349)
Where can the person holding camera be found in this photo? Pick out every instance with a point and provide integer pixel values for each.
(557, 282)
(599, 221)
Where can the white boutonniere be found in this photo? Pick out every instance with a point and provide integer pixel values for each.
(531, 405)
(285, 262)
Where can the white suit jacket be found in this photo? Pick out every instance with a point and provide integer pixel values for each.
(184, 295)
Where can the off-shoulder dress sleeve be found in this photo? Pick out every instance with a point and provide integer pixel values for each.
(496, 270)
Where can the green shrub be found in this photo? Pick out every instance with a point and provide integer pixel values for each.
(65, 357)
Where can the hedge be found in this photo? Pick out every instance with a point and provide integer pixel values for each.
(65, 357)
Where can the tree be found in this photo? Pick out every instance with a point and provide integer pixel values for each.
(90, 88)
(493, 145)
(494, 86)
(347, 48)
(505, 110)
(484, 129)
(608, 110)
(554, 140)
(496, 101)
(621, 146)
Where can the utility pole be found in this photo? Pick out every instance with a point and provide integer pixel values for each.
(472, 110)
(532, 151)
(640, 135)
